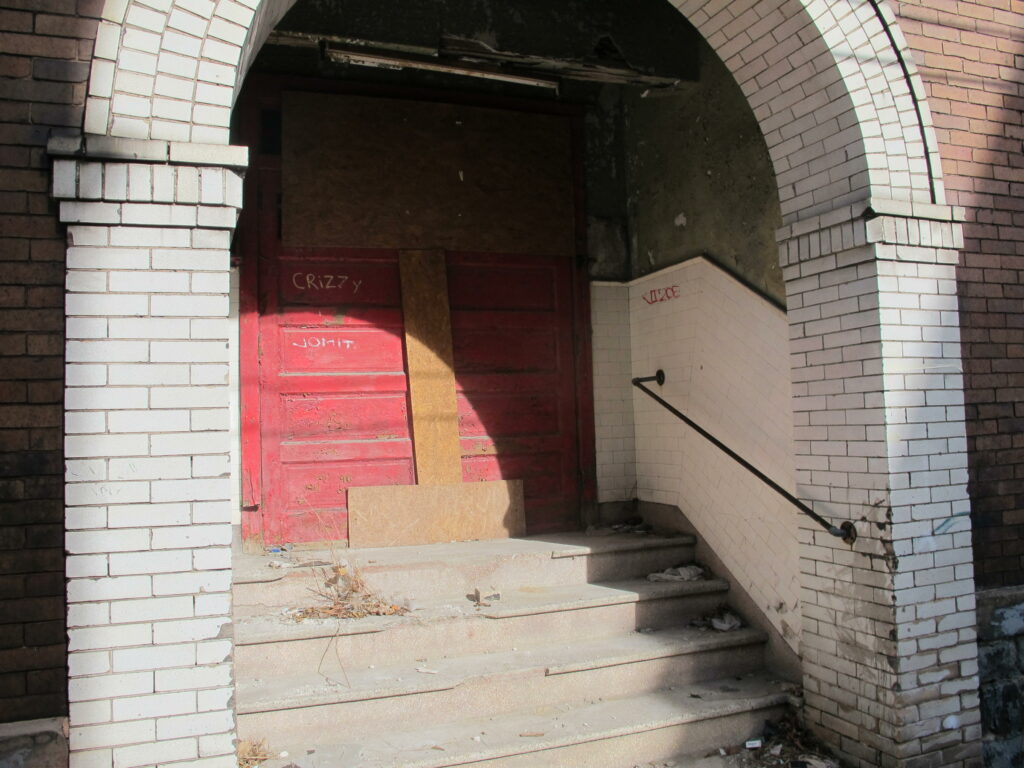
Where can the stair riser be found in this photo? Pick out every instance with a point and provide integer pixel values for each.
(423, 581)
(690, 739)
(687, 740)
(491, 696)
(470, 635)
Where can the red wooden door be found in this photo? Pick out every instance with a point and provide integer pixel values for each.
(512, 333)
(324, 383)
(334, 404)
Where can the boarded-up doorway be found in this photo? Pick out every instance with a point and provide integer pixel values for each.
(355, 185)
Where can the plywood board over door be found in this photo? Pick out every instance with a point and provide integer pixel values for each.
(490, 194)
(428, 354)
(389, 173)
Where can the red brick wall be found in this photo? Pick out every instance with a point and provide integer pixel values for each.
(971, 56)
(44, 49)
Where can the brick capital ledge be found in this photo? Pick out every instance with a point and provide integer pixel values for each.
(98, 147)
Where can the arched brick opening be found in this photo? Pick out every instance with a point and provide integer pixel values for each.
(868, 248)
(832, 85)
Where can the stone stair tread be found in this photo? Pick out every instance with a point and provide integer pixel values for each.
(529, 600)
(524, 601)
(254, 568)
(293, 690)
(543, 728)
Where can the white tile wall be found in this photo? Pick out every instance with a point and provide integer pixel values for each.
(725, 354)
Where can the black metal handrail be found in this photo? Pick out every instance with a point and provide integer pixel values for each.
(845, 530)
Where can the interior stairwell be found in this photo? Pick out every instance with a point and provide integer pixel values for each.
(581, 660)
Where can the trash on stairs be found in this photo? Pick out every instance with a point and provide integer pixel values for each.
(484, 598)
(722, 620)
(635, 525)
(681, 573)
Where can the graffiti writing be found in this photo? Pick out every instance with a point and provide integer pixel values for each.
(655, 295)
(316, 342)
(311, 281)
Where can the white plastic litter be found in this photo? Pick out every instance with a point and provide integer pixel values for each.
(727, 622)
(682, 573)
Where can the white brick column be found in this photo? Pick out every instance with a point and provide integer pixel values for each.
(147, 479)
(889, 651)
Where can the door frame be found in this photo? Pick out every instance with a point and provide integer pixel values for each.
(262, 92)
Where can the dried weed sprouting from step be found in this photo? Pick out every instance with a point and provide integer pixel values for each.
(252, 753)
(343, 594)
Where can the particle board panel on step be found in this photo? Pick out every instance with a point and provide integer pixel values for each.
(400, 515)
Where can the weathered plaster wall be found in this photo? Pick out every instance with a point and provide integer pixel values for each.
(701, 181)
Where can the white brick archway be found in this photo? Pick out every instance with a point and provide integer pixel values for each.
(841, 108)
(150, 195)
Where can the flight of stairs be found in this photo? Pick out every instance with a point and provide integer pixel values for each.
(581, 661)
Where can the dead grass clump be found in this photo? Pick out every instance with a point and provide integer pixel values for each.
(344, 595)
(251, 753)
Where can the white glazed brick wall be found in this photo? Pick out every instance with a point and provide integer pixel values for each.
(832, 100)
(613, 396)
(724, 353)
(841, 126)
(890, 657)
(147, 480)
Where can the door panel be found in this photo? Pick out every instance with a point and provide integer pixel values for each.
(325, 386)
(512, 331)
(334, 396)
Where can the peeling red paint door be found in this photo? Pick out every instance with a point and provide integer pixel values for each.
(324, 386)
(512, 332)
(334, 405)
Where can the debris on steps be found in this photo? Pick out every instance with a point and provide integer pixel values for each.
(784, 743)
(722, 620)
(342, 594)
(634, 525)
(252, 752)
(567, 734)
(680, 573)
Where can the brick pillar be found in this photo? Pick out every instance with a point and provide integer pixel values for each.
(148, 529)
(889, 649)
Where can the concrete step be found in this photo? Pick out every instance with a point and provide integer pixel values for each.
(595, 733)
(455, 569)
(447, 629)
(351, 702)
